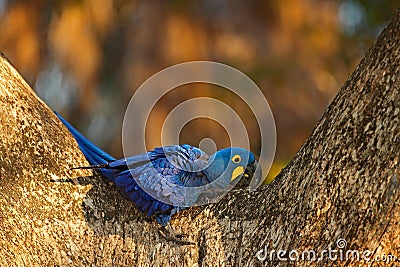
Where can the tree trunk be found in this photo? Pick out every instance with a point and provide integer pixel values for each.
(340, 193)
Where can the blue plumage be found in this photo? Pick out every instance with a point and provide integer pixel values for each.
(165, 180)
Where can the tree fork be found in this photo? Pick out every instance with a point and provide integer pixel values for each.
(342, 185)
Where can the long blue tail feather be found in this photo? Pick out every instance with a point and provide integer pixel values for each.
(117, 171)
(94, 155)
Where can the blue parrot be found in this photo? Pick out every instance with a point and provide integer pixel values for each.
(166, 180)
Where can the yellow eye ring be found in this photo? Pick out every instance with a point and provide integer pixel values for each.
(236, 158)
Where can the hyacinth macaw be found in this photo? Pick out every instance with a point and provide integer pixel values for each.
(165, 180)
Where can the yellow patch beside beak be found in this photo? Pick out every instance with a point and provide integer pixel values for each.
(237, 172)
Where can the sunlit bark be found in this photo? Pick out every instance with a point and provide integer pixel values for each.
(342, 184)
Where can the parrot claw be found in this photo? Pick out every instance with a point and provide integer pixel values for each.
(177, 238)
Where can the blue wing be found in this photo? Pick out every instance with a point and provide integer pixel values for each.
(162, 189)
(162, 173)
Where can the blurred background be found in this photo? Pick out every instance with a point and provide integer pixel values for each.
(86, 58)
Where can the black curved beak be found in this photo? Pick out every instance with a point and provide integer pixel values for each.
(254, 171)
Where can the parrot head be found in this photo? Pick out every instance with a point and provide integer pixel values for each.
(228, 165)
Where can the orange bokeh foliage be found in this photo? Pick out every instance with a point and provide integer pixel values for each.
(294, 50)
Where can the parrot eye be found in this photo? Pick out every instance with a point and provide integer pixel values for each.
(236, 158)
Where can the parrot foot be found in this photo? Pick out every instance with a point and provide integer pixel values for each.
(178, 238)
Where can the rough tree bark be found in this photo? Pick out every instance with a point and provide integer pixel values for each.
(343, 183)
